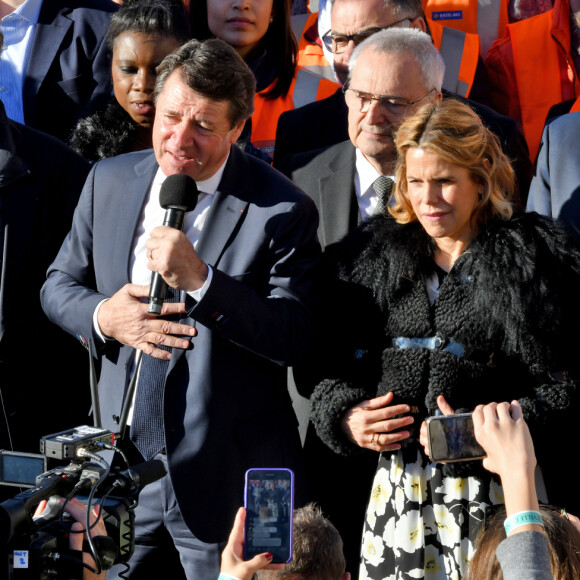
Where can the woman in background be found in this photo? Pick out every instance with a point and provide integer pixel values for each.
(141, 34)
(261, 32)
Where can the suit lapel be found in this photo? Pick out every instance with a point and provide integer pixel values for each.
(135, 192)
(336, 191)
(228, 208)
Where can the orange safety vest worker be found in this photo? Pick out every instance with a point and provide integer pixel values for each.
(306, 87)
(310, 53)
(531, 69)
(461, 32)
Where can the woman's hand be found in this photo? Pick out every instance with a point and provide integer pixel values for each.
(373, 424)
(446, 409)
(233, 562)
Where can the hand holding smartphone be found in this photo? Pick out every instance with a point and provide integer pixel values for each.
(269, 503)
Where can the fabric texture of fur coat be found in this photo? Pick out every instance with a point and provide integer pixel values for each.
(506, 317)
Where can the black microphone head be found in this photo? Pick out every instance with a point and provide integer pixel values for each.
(178, 191)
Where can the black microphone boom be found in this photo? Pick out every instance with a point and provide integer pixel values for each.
(178, 194)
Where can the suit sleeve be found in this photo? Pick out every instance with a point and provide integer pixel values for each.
(540, 198)
(270, 316)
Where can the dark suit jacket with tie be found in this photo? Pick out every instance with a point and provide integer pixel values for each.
(69, 66)
(226, 407)
(325, 122)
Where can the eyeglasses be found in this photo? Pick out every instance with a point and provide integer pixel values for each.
(395, 106)
(337, 43)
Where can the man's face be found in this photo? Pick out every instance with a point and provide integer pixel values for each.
(380, 74)
(355, 16)
(191, 134)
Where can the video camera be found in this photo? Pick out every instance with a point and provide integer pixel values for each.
(37, 547)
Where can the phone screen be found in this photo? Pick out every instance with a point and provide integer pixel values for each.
(269, 503)
(451, 438)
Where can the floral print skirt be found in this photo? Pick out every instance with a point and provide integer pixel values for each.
(420, 523)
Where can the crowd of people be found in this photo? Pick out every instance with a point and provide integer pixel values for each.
(401, 161)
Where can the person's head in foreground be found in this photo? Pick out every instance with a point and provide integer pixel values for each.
(316, 551)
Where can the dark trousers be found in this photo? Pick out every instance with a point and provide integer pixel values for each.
(164, 545)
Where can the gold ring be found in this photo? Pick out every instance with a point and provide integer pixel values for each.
(373, 439)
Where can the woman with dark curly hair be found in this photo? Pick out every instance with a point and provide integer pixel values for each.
(141, 34)
(453, 301)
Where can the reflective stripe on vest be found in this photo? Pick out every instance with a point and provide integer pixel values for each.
(310, 55)
(460, 52)
(486, 18)
(305, 88)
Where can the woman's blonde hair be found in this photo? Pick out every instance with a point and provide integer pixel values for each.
(455, 132)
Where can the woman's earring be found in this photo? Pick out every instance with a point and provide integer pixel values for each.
(271, 19)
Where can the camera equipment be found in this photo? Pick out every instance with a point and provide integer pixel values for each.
(37, 548)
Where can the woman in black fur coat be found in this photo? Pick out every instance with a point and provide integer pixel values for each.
(452, 302)
(141, 34)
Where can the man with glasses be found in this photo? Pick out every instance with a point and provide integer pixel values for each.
(391, 74)
(324, 123)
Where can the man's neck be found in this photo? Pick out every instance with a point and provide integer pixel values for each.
(383, 166)
(8, 6)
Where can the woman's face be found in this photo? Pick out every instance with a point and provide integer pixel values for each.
(443, 196)
(135, 57)
(240, 23)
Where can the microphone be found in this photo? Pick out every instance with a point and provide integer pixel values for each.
(136, 478)
(178, 194)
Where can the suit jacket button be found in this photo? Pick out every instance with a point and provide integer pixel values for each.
(116, 419)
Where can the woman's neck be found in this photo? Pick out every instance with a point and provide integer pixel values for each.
(448, 251)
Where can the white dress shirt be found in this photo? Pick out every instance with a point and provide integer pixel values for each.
(18, 29)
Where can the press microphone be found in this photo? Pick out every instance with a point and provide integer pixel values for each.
(178, 194)
(136, 478)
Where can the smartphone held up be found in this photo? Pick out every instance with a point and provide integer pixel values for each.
(451, 438)
(269, 503)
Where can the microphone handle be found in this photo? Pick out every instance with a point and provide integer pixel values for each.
(157, 292)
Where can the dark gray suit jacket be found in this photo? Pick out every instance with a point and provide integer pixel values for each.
(69, 66)
(227, 407)
(327, 176)
(555, 189)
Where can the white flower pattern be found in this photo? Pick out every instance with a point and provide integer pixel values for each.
(421, 524)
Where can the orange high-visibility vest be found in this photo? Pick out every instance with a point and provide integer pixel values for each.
(535, 68)
(305, 88)
(310, 54)
(460, 52)
(488, 23)
(461, 32)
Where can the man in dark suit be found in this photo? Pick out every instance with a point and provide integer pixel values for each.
(242, 266)
(324, 123)
(66, 64)
(555, 189)
(40, 365)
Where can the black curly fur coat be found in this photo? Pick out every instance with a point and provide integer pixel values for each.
(512, 300)
(108, 132)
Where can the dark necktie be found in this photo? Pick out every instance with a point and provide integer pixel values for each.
(147, 425)
(383, 187)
